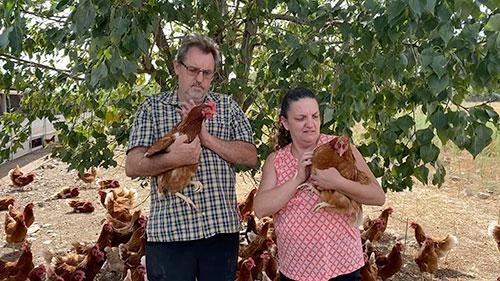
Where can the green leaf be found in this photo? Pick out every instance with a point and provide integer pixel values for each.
(84, 16)
(438, 119)
(389, 137)
(422, 174)
(16, 39)
(405, 122)
(38, 74)
(292, 40)
(403, 170)
(98, 73)
(4, 37)
(119, 22)
(480, 138)
(293, 6)
(491, 4)
(371, 5)
(430, 5)
(395, 9)
(424, 136)
(439, 65)
(437, 85)
(427, 56)
(493, 24)
(61, 4)
(429, 153)
(368, 150)
(438, 177)
(446, 32)
(328, 114)
(416, 7)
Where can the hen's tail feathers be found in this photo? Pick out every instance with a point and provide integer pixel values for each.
(453, 240)
(110, 196)
(491, 228)
(47, 256)
(359, 218)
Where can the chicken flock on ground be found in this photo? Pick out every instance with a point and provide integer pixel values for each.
(120, 245)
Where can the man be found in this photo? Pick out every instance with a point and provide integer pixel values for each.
(185, 243)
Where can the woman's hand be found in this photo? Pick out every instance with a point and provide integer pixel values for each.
(329, 179)
(303, 169)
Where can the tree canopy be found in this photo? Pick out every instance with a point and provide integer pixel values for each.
(86, 66)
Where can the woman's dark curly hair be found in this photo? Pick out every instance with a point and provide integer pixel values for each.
(282, 136)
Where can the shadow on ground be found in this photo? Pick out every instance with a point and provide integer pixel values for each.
(22, 161)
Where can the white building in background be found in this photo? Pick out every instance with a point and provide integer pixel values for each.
(41, 129)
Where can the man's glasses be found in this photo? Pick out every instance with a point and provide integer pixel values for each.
(193, 71)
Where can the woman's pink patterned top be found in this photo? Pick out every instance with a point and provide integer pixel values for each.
(312, 246)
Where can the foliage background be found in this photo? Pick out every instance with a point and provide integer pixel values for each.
(86, 65)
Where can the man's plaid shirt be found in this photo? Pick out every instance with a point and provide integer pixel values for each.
(170, 219)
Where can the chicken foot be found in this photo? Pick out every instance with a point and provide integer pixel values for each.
(187, 200)
(322, 205)
(197, 186)
(308, 187)
(358, 219)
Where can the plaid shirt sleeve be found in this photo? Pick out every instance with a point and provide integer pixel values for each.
(242, 130)
(142, 133)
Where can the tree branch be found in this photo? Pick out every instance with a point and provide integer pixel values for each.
(246, 54)
(162, 44)
(39, 65)
(290, 18)
(57, 19)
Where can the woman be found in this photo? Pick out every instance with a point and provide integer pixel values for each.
(312, 246)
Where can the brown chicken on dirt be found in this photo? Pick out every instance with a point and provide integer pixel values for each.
(68, 192)
(256, 247)
(123, 233)
(427, 258)
(37, 273)
(19, 179)
(177, 179)
(90, 265)
(125, 196)
(56, 260)
(88, 177)
(15, 228)
(494, 231)
(337, 154)
(19, 269)
(29, 215)
(247, 205)
(384, 216)
(390, 264)
(81, 206)
(104, 184)
(369, 271)
(117, 210)
(5, 201)
(135, 274)
(442, 245)
(374, 233)
(245, 273)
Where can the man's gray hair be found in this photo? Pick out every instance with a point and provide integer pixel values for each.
(204, 43)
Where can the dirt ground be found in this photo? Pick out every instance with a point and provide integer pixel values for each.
(464, 206)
